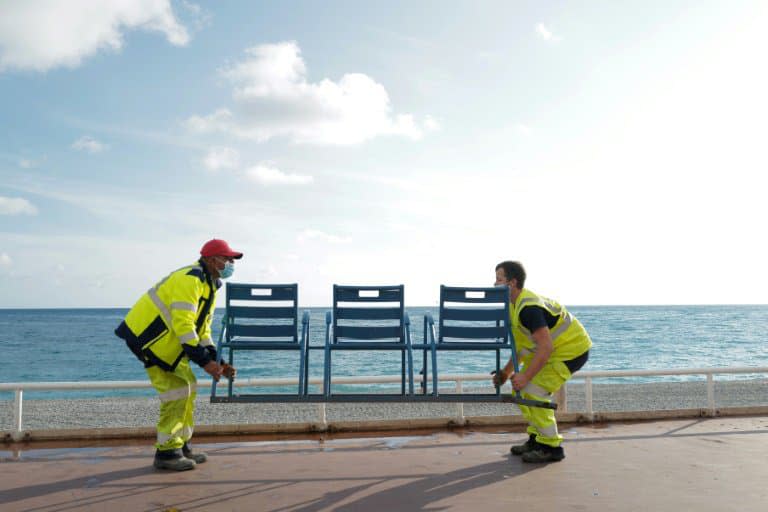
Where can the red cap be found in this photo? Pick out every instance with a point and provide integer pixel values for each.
(218, 247)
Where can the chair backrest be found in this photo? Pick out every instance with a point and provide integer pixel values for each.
(262, 312)
(368, 313)
(474, 315)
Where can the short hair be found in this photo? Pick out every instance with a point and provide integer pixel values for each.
(513, 270)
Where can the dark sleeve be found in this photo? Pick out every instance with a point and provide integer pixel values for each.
(532, 318)
(212, 352)
(198, 354)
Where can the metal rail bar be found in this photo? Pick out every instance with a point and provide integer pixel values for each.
(19, 387)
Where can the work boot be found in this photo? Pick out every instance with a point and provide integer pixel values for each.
(529, 445)
(198, 457)
(173, 460)
(544, 453)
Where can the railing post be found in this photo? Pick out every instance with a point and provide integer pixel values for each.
(18, 398)
(588, 398)
(711, 394)
(561, 398)
(460, 420)
(323, 423)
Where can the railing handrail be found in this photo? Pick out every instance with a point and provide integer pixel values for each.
(368, 379)
(19, 387)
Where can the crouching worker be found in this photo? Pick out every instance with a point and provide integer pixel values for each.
(166, 328)
(551, 346)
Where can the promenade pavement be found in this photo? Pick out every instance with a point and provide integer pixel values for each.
(712, 464)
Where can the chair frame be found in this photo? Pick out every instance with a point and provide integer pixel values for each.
(354, 338)
(365, 339)
(231, 330)
(501, 334)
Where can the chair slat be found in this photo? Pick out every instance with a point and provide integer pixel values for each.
(496, 294)
(261, 331)
(472, 314)
(261, 312)
(365, 293)
(270, 344)
(484, 333)
(368, 333)
(369, 313)
(261, 292)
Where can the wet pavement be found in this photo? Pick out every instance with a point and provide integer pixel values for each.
(712, 464)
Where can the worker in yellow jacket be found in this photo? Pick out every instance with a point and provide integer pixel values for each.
(166, 328)
(551, 346)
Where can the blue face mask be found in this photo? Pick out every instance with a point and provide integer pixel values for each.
(228, 270)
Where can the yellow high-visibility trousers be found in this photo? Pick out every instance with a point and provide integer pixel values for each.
(541, 421)
(177, 391)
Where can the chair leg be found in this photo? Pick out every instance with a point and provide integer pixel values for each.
(402, 372)
(434, 371)
(230, 383)
(410, 371)
(301, 372)
(327, 373)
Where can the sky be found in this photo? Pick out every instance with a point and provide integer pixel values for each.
(616, 148)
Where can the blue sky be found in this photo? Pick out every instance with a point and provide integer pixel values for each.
(616, 148)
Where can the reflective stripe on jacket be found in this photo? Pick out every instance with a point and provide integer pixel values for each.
(569, 338)
(177, 311)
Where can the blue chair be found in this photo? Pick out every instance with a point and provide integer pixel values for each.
(369, 318)
(470, 319)
(264, 317)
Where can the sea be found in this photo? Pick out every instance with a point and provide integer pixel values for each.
(43, 345)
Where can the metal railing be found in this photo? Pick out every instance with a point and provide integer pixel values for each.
(19, 387)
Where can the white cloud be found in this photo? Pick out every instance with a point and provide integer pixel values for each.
(222, 158)
(522, 129)
(44, 34)
(16, 206)
(89, 144)
(546, 34)
(268, 175)
(431, 124)
(273, 98)
(314, 234)
(5, 260)
(28, 163)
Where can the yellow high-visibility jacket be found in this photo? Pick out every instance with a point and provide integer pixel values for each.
(173, 319)
(569, 338)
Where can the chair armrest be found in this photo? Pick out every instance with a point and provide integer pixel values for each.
(328, 320)
(304, 342)
(429, 328)
(407, 327)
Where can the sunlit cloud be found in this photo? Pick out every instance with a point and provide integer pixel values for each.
(267, 175)
(546, 34)
(222, 158)
(5, 260)
(46, 34)
(89, 144)
(314, 234)
(522, 129)
(16, 206)
(273, 98)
